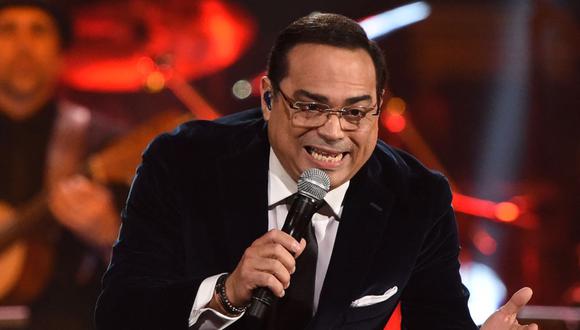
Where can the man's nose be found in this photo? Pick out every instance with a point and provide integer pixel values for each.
(331, 130)
(23, 40)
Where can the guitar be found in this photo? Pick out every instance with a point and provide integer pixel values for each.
(26, 264)
(22, 276)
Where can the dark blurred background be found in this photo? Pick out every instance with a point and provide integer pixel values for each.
(491, 86)
(486, 91)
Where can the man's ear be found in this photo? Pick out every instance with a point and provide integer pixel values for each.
(266, 97)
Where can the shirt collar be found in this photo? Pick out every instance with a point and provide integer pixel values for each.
(281, 186)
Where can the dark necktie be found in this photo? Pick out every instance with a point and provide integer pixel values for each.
(295, 309)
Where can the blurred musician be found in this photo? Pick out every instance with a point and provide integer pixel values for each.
(54, 269)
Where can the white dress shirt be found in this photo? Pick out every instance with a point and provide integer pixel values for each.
(280, 187)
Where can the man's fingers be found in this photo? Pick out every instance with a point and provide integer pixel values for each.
(517, 301)
(282, 238)
(271, 282)
(268, 262)
(278, 252)
(254, 272)
(274, 267)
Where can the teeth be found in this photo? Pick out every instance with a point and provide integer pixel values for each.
(323, 157)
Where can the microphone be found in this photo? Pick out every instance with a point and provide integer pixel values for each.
(313, 185)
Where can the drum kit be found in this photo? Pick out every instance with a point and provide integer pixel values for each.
(128, 46)
(121, 46)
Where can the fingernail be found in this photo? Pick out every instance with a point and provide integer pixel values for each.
(287, 285)
(293, 270)
(283, 293)
(295, 247)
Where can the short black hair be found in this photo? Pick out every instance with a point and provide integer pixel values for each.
(326, 29)
(54, 10)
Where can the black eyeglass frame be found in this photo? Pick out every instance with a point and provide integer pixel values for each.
(328, 110)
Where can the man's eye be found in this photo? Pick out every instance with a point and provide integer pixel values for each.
(40, 29)
(354, 113)
(310, 106)
(7, 28)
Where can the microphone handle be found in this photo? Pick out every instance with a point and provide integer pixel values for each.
(299, 216)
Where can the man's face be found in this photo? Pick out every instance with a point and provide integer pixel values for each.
(337, 77)
(30, 51)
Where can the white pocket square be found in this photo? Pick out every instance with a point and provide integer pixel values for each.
(371, 300)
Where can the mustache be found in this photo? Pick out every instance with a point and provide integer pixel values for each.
(338, 146)
(25, 56)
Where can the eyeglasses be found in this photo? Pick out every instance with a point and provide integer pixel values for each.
(314, 114)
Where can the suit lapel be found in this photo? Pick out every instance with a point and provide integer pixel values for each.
(243, 187)
(367, 207)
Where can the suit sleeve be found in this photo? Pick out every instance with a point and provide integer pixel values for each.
(146, 286)
(435, 298)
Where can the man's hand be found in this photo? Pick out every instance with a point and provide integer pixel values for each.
(86, 208)
(505, 317)
(268, 262)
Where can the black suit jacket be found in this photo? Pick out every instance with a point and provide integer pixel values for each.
(199, 199)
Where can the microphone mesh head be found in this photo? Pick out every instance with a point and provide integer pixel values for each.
(314, 183)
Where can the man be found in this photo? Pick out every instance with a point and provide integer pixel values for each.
(210, 199)
(43, 143)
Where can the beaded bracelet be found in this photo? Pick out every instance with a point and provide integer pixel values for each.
(220, 290)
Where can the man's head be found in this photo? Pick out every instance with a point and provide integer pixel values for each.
(325, 59)
(33, 35)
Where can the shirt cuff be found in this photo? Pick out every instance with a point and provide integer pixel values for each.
(203, 317)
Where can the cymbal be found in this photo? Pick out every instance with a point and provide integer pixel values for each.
(120, 44)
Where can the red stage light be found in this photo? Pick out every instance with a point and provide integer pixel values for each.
(504, 211)
(473, 206)
(395, 123)
(484, 242)
(394, 322)
(120, 44)
(507, 211)
(396, 105)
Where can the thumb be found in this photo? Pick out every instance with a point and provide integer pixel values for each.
(517, 301)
